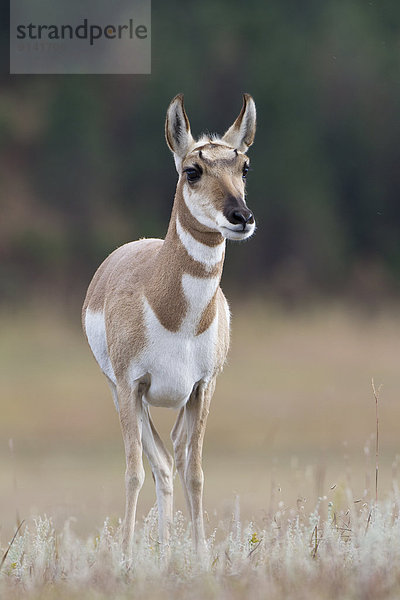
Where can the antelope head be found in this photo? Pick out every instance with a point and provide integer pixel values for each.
(212, 170)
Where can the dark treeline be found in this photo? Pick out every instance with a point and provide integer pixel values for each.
(84, 166)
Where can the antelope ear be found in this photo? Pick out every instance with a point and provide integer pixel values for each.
(177, 129)
(241, 134)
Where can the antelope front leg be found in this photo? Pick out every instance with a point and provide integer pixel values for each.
(196, 413)
(130, 414)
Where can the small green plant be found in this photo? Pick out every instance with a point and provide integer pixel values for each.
(254, 539)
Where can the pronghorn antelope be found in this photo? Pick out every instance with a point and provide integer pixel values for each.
(158, 323)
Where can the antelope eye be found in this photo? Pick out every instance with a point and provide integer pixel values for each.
(245, 170)
(192, 174)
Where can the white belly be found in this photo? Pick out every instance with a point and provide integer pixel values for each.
(177, 361)
(178, 365)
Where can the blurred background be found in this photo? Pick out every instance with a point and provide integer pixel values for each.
(84, 168)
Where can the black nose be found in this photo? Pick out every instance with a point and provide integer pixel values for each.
(240, 216)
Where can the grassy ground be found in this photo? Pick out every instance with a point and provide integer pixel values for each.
(294, 555)
(293, 419)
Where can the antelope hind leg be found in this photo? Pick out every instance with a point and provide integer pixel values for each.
(179, 439)
(162, 467)
(196, 413)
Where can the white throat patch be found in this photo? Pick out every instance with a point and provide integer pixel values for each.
(194, 203)
(209, 256)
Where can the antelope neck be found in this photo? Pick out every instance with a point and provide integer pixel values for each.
(182, 289)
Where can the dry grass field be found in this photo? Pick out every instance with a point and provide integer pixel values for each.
(289, 446)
